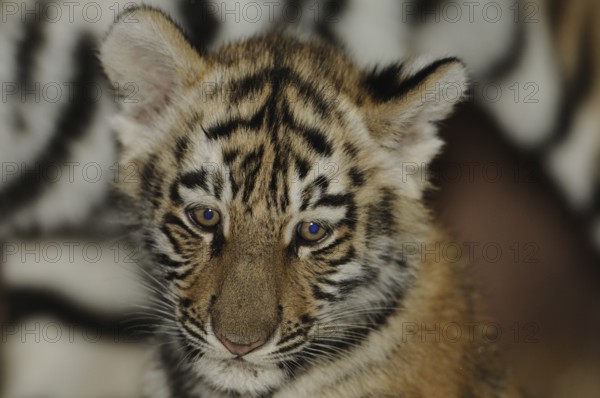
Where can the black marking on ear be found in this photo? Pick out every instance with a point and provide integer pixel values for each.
(384, 84)
(195, 179)
(387, 84)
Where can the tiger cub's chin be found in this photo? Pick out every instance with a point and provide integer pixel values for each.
(279, 194)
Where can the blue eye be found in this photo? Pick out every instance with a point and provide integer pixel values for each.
(205, 217)
(314, 228)
(209, 214)
(311, 232)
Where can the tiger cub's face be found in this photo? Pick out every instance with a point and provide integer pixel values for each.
(278, 186)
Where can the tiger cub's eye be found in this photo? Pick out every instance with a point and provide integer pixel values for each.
(311, 232)
(205, 217)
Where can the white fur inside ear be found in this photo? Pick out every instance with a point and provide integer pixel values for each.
(441, 91)
(406, 126)
(147, 59)
(409, 122)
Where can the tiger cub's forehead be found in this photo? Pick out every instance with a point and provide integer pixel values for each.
(269, 138)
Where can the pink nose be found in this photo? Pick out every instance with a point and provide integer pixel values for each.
(238, 349)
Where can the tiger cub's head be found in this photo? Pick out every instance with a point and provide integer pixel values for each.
(277, 185)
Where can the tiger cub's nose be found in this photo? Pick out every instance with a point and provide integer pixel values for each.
(238, 349)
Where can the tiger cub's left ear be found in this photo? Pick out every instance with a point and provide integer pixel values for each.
(406, 102)
(146, 55)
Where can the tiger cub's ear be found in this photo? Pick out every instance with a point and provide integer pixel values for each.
(406, 102)
(147, 57)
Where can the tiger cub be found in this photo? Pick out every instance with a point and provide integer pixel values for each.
(279, 195)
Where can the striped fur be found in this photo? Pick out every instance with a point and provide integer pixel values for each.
(272, 132)
(42, 136)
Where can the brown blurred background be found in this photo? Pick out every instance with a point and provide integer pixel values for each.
(543, 286)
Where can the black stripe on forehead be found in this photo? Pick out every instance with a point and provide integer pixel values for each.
(225, 129)
(278, 79)
(195, 179)
(312, 136)
(250, 167)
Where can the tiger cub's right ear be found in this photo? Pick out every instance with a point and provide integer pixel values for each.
(146, 53)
